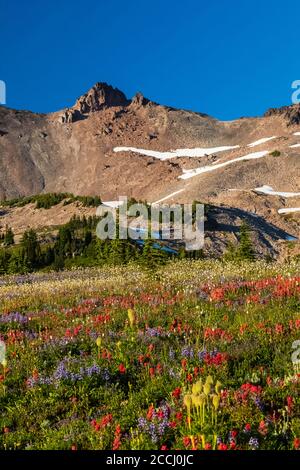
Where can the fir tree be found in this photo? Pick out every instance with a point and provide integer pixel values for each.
(4, 260)
(31, 252)
(158, 255)
(8, 237)
(117, 252)
(15, 264)
(145, 257)
(48, 256)
(245, 250)
(59, 262)
(151, 256)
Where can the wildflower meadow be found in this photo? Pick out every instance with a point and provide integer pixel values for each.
(196, 355)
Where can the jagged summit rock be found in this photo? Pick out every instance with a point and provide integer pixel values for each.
(139, 100)
(100, 96)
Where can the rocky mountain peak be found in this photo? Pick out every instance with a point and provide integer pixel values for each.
(100, 96)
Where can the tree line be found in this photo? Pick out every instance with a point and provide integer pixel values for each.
(76, 245)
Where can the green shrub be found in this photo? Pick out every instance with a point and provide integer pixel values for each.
(275, 153)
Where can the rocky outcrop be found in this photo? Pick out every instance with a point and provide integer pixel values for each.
(290, 113)
(100, 96)
(70, 115)
(139, 100)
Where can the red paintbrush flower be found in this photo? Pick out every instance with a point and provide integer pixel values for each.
(297, 443)
(189, 378)
(186, 441)
(176, 393)
(222, 446)
(150, 412)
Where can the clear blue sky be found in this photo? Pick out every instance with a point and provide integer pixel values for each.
(227, 58)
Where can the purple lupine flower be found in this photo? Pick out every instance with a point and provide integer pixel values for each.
(32, 382)
(152, 432)
(202, 354)
(93, 335)
(162, 426)
(155, 429)
(14, 317)
(187, 352)
(202, 295)
(74, 377)
(31, 335)
(259, 403)
(175, 374)
(111, 334)
(142, 424)
(92, 370)
(171, 353)
(58, 343)
(253, 443)
(152, 332)
(61, 372)
(165, 409)
(46, 381)
(214, 352)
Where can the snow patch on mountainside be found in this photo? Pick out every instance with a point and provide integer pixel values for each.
(169, 196)
(288, 210)
(194, 152)
(112, 204)
(205, 169)
(270, 192)
(261, 141)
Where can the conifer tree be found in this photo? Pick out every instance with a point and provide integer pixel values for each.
(245, 250)
(117, 251)
(8, 237)
(31, 252)
(15, 264)
(59, 262)
(4, 260)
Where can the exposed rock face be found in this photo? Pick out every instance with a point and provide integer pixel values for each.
(70, 115)
(73, 151)
(139, 100)
(290, 113)
(100, 96)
